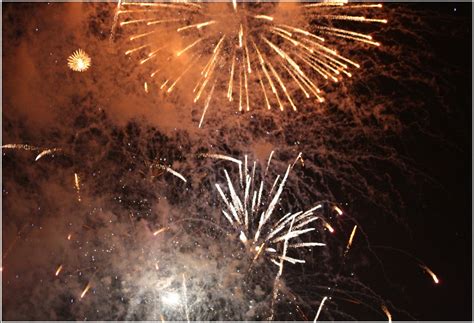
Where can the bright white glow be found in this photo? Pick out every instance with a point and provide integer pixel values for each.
(171, 299)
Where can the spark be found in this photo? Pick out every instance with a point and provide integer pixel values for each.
(351, 238)
(329, 227)
(188, 47)
(208, 101)
(58, 270)
(320, 308)
(46, 152)
(77, 185)
(20, 146)
(79, 61)
(431, 273)
(185, 293)
(338, 210)
(169, 170)
(85, 290)
(385, 310)
(69, 236)
(157, 232)
(223, 157)
(116, 16)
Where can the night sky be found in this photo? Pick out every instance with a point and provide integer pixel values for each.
(390, 147)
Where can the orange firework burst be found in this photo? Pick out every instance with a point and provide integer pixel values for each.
(79, 61)
(249, 51)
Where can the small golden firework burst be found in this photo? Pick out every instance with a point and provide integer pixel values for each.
(79, 61)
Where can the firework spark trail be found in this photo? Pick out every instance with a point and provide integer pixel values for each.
(320, 308)
(20, 146)
(299, 56)
(157, 232)
(431, 273)
(47, 152)
(242, 210)
(79, 61)
(338, 210)
(169, 170)
(86, 289)
(223, 157)
(351, 238)
(44, 151)
(386, 311)
(185, 294)
(77, 185)
(208, 101)
(280, 270)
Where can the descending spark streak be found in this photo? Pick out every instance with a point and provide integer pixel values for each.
(351, 238)
(385, 310)
(208, 101)
(116, 16)
(77, 185)
(320, 308)
(169, 170)
(44, 152)
(329, 227)
(85, 290)
(431, 273)
(338, 210)
(223, 157)
(20, 146)
(79, 61)
(185, 298)
(157, 232)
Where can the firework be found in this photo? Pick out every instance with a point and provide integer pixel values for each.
(250, 51)
(252, 215)
(79, 61)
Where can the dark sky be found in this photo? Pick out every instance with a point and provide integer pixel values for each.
(391, 146)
